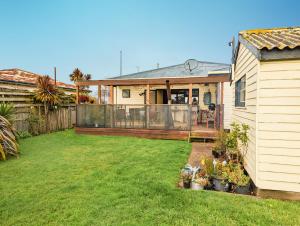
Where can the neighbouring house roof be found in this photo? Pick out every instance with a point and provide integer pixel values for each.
(179, 71)
(28, 78)
(275, 38)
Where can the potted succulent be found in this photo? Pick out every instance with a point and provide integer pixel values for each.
(186, 176)
(199, 180)
(243, 185)
(199, 183)
(220, 182)
(239, 180)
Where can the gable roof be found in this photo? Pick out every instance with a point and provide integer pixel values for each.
(24, 77)
(204, 69)
(270, 44)
(275, 38)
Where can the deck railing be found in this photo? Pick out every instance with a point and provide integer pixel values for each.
(155, 116)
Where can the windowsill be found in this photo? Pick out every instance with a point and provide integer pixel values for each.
(241, 108)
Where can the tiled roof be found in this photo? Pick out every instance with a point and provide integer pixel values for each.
(203, 69)
(21, 76)
(276, 38)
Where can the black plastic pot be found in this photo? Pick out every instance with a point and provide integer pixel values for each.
(245, 190)
(215, 153)
(187, 184)
(220, 185)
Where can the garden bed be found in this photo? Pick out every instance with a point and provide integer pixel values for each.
(219, 166)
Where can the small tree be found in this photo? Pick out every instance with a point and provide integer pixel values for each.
(46, 93)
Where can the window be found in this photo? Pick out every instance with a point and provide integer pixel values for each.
(181, 96)
(126, 93)
(207, 98)
(240, 92)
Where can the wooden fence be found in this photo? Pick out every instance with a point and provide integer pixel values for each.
(31, 118)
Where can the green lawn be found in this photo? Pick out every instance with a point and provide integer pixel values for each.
(68, 179)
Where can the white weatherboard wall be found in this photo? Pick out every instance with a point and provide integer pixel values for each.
(248, 65)
(278, 122)
(227, 105)
(273, 113)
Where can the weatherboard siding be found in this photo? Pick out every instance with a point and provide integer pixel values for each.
(279, 126)
(248, 65)
(227, 105)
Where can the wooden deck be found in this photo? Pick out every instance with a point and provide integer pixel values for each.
(203, 133)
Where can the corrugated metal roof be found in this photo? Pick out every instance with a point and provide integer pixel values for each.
(21, 76)
(275, 38)
(203, 69)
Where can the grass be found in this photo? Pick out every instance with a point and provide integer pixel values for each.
(68, 179)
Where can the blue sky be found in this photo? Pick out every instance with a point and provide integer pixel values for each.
(38, 35)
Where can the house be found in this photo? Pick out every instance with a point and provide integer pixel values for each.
(194, 96)
(266, 91)
(24, 80)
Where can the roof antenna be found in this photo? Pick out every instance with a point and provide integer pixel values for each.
(121, 63)
(232, 44)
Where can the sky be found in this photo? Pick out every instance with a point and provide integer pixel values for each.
(37, 35)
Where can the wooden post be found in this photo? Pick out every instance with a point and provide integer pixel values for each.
(99, 94)
(168, 91)
(148, 94)
(222, 93)
(77, 94)
(111, 94)
(190, 93)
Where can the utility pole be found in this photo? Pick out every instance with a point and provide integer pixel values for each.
(121, 63)
(55, 76)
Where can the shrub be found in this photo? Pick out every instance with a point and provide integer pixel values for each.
(7, 110)
(8, 143)
(35, 122)
(23, 134)
(237, 140)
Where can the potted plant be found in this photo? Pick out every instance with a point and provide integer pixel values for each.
(219, 148)
(237, 142)
(186, 176)
(199, 183)
(219, 180)
(207, 166)
(239, 180)
(243, 185)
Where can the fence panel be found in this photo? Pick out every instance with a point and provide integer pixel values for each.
(169, 117)
(30, 117)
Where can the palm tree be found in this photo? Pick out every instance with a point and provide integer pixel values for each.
(47, 93)
(78, 76)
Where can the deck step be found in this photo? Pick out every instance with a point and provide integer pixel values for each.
(196, 136)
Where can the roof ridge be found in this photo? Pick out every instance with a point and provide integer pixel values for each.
(67, 85)
(268, 30)
(155, 69)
